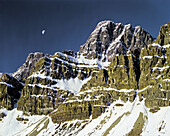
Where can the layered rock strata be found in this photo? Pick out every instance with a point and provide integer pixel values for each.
(10, 89)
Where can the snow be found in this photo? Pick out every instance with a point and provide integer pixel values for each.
(40, 127)
(150, 57)
(166, 80)
(147, 57)
(137, 27)
(101, 25)
(50, 129)
(156, 120)
(117, 39)
(106, 89)
(155, 44)
(73, 85)
(167, 46)
(93, 62)
(158, 76)
(10, 126)
(124, 126)
(42, 86)
(7, 84)
(160, 68)
(144, 88)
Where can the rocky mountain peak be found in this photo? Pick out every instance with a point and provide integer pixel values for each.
(34, 56)
(164, 35)
(109, 39)
(24, 71)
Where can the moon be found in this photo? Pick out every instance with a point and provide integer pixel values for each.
(43, 32)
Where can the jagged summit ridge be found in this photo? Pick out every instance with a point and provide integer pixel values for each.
(109, 39)
(164, 35)
(23, 72)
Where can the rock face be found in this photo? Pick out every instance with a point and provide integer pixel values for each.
(155, 70)
(10, 89)
(41, 93)
(145, 73)
(40, 90)
(109, 39)
(24, 71)
(99, 92)
(164, 37)
(117, 65)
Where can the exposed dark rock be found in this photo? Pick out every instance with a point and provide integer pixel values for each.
(109, 39)
(24, 71)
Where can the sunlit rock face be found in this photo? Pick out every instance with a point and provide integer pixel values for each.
(155, 70)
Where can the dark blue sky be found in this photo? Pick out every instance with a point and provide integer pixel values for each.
(68, 24)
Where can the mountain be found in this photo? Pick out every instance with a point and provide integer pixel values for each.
(109, 39)
(24, 71)
(117, 84)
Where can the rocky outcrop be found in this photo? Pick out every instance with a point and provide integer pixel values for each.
(155, 71)
(99, 92)
(41, 94)
(10, 89)
(41, 100)
(122, 73)
(164, 37)
(142, 73)
(88, 103)
(24, 71)
(109, 39)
